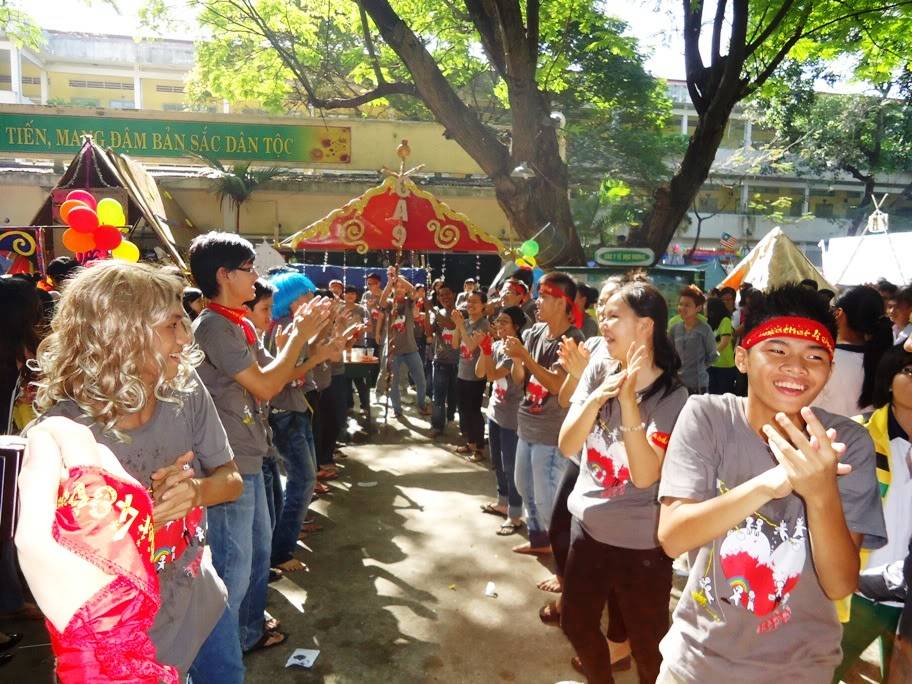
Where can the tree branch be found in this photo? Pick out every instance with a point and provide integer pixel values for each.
(718, 22)
(483, 16)
(693, 62)
(478, 140)
(382, 90)
(777, 19)
(774, 63)
(369, 42)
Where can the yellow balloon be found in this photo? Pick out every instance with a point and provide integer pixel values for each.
(126, 251)
(110, 213)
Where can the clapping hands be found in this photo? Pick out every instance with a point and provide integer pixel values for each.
(313, 317)
(573, 357)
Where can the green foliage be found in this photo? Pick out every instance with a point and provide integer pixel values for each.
(20, 28)
(237, 183)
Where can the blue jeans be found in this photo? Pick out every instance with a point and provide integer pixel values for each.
(538, 471)
(219, 660)
(241, 540)
(412, 361)
(502, 442)
(444, 406)
(272, 483)
(294, 440)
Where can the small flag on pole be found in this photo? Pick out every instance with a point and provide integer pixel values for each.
(728, 242)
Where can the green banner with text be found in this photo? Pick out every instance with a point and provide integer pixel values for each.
(263, 142)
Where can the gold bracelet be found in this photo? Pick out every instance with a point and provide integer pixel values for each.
(635, 428)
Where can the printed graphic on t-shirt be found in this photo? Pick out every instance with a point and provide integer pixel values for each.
(464, 352)
(399, 323)
(536, 396)
(500, 389)
(173, 539)
(447, 337)
(761, 561)
(607, 464)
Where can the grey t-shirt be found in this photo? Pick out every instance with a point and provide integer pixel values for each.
(467, 359)
(402, 328)
(227, 354)
(193, 597)
(505, 394)
(293, 396)
(540, 415)
(697, 349)
(611, 509)
(443, 327)
(371, 304)
(753, 606)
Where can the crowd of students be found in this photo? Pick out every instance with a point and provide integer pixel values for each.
(620, 438)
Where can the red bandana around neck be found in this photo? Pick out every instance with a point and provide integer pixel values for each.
(238, 317)
(796, 327)
(554, 291)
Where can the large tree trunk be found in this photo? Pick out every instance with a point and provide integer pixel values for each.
(528, 204)
(672, 200)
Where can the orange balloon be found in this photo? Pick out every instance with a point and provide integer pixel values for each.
(78, 242)
(68, 206)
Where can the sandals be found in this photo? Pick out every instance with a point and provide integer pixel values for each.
(491, 509)
(550, 613)
(270, 639)
(464, 449)
(325, 475)
(509, 527)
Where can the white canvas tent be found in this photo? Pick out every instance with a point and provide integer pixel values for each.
(867, 258)
(775, 260)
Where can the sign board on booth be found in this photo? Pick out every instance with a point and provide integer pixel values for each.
(624, 256)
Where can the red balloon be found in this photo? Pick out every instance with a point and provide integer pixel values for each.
(78, 242)
(83, 219)
(107, 237)
(68, 206)
(83, 196)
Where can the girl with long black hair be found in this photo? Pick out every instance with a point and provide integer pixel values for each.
(621, 418)
(863, 335)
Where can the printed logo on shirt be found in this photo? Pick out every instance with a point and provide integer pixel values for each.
(762, 563)
(173, 539)
(447, 337)
(500, 389)
(536, 396)
(607, 464)
(659, 439)
(464, 352)
(399, 323)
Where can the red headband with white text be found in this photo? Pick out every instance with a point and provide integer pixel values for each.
(796, 327)
(554, 291)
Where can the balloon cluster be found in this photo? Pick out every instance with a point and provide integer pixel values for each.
(94, 226)
(528, 251)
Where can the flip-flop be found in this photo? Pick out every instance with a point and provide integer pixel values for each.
(508, 528)
(272, 624)
(464, 449)
(551, 584)
(264, 642)
(325, 475)
(491, 509)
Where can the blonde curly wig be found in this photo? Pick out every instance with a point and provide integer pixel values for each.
(101, 343)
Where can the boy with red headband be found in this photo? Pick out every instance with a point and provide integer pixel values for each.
(539, 464)
(773, 502)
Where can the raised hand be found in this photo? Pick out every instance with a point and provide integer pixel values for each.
(458, 318)
(175, 491)
(573, 357)
(610, 387)
(810, 461)
(514, 348)
(313, 317)
(636, 359)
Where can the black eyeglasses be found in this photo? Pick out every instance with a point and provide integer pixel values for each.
(907, 371)
(246, 269)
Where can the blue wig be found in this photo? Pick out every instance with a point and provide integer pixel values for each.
(289, 286)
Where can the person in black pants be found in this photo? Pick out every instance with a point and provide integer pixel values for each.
(470, 329)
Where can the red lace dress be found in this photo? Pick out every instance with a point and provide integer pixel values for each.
(108, 522)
